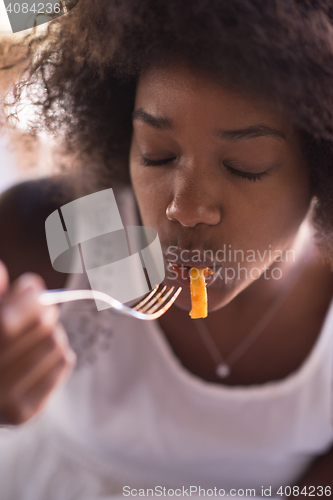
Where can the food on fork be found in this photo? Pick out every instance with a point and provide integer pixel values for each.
(199, 292)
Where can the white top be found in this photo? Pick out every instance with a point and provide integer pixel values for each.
(136, 417)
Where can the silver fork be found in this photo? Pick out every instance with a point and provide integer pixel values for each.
(154, 304)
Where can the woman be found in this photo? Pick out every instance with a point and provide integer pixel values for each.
(224, 110)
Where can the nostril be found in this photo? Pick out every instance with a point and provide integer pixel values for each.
(186, 215)
(190, 214)
(169, 213)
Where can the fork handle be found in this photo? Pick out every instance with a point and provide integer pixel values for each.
(59, 296)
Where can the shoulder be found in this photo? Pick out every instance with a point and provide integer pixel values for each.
(23, 211)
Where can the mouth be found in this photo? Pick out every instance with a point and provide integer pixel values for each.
(176, 270)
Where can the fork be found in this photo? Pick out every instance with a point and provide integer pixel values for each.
(152, 306)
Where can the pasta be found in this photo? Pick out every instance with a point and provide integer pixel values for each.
(199, 292)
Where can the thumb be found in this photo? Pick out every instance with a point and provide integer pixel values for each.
(4, 278)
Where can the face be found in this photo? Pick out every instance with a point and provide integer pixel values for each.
(219, 175)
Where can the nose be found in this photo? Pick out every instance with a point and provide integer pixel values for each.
(194, 201)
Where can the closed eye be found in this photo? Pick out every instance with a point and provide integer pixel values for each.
(146, 162)
(245, 175)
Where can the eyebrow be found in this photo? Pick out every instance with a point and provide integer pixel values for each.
(154, 121)
(251, 131)
(259, 130)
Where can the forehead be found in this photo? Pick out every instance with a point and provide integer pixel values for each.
(177, 90)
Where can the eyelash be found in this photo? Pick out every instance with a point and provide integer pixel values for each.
(155, 163)
(245, 175)
(146, 162)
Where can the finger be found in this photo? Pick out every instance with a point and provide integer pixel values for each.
(27, 281)
(21, 313)
(23, 284)
(34, 400)
(4, 278)
(24, 343)
(36, 367)
(37, 396)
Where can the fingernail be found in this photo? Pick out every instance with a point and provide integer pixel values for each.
(61, 336)
(11, 319)
(50, 315)
(71, 356)
(27, 282)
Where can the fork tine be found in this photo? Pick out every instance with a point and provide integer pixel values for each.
(160, 301)
(143, 302)
(166, 306)
(153, 300)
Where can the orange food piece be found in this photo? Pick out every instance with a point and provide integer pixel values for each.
(199, 292)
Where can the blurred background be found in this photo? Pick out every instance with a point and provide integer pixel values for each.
(9, 173)
(21, 156)
(21, 159)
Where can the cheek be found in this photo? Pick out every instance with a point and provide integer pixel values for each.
(152, 193)
(292, 202)
(262, 227)
(267, 225)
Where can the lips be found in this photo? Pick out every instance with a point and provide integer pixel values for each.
(191, 258)
(179, 270)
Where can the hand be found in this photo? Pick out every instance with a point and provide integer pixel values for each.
(35, 356)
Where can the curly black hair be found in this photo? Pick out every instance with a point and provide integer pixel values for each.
(90, 61)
